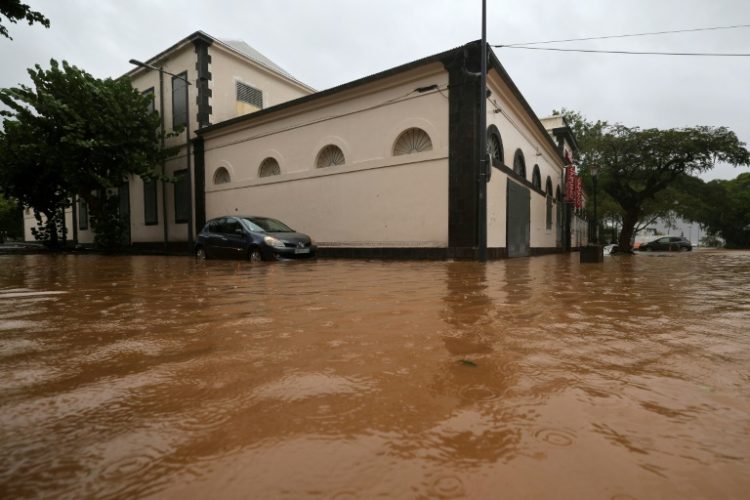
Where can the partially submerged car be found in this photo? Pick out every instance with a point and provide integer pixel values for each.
(667, 244)
(251, 237)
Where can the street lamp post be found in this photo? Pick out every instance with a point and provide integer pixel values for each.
(594, 170)
(162, 71)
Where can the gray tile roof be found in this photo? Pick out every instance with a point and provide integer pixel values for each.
(256, 56)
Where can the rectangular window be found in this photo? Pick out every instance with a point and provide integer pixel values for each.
(179, 100)
(149, 93)
(83, 215)
(150, 212)
(250, 95)
(181, 193)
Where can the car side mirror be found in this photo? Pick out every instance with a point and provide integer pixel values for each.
(239, 230)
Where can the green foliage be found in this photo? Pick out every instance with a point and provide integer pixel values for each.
(641, 169)
(110, 226)
(73, 134)
(15, 11)
(726, 210)
(50, 228)
(11, 219)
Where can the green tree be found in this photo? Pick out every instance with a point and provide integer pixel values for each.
(14, 11)
(11, 225)
(726, 210)
(73, 134)
(638, 166)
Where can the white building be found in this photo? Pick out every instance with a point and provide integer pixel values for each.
(387, 165)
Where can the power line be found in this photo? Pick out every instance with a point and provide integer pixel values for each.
(689, 30)
(634, 52)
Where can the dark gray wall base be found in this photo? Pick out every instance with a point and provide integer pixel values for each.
(495, 253)
(545, 250)
(158, 248)
(383, 253)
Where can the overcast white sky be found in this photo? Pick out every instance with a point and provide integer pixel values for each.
(328, 42)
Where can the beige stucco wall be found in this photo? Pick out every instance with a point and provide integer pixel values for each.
(375, 199)
(518, 131)
(182, 60)
(85, 236)
(227, 68)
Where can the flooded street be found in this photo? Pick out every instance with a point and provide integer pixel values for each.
(166, 377)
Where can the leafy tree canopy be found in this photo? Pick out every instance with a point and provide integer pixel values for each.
(725, 209)
(73, 134)
(638, 166)
(14, 11)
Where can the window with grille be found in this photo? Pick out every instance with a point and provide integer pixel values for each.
(222, 176)
(269, 167)
(250, 95)
(413, 140)
(495, 148)
(548, 190)
(536, 178)
(330, 156)
(519, 164)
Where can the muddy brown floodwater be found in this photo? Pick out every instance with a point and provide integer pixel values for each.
(125, 377)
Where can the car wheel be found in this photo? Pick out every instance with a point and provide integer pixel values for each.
(254, 255)
(684, 249)
(200, 253)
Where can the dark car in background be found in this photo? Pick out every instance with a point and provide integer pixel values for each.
(667, 244)
(251, 237)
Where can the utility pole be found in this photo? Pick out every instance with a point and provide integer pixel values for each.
(483, 166)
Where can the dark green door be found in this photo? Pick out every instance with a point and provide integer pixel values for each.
(518, 226)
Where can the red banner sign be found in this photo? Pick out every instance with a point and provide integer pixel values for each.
(570, 184)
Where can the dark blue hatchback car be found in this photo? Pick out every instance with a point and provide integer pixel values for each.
(250, 237)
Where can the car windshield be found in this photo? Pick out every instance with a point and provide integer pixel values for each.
(266, 225)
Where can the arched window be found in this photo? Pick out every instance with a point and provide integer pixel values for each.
(519, 164)
(548, 189)
(269, 167)
(557, 193)
(330, 156)
(536, 178)
(221, 176)
(412, 140)
(495, 146)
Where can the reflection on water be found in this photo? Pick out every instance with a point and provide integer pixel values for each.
(533, 378)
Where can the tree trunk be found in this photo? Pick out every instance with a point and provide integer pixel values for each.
(629, 221)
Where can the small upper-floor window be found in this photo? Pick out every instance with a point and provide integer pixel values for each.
(149, 94)
(330, 156)
(221, 176)
(179, 100)
(412, 140)
(249, 95)
(519, 164)
(269, 167)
